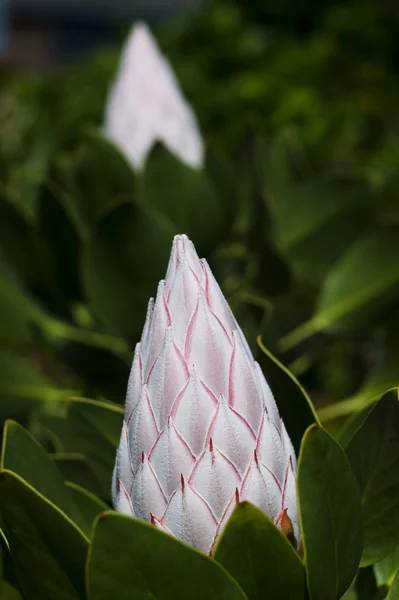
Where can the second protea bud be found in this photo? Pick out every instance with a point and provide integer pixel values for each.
(201, 429)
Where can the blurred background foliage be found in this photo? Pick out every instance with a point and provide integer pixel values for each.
(297, 209)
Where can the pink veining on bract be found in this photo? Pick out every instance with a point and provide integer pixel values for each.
(201, 428)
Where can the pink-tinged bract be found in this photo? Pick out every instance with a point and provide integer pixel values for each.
(146, 105)
(201, 430)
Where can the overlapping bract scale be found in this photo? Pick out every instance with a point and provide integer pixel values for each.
(202, 430)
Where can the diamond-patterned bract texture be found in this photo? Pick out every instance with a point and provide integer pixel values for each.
(146, 105)
(201, 430)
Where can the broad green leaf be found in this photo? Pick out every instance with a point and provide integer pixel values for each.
(91, 429)
(373, 452)
(47, 549)
(59, 239)
(82, 438)
(314, 220)
(383, 377)
(28, 174)
(260, 557)
(8, 592)
(18, 312)
(101, 362)
(25, 457)
(358, 286)
(311, 205)
(186, 197)
(96, 176)
(89, 505)
(126, 257)
(350, 594)
(386, 569)
(352, 425)
(393, 593)
(131, 559)
(294, 404)
(22, 387)
(14, 236)
(330, 515)
(314, 256)
(97, 426)
(7, 571)
(104, 417)
(75, 468)
(19, 377)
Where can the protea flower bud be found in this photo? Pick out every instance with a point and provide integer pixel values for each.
(146, 105)
(201, 429)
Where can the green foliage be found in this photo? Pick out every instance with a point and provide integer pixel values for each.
(86, 440)
(125, 257)
(23, 455)
(296, 210)
(260, 557)
(47, 549)
(374, 455)
(129, 557)
(393, 593)
(330, 514)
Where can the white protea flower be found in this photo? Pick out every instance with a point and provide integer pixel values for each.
(146, 105)
(201, 429)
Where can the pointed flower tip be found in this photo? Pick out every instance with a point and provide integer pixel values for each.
(183, 237)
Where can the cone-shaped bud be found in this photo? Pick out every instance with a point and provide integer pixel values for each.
(146, 105)
(202, 430)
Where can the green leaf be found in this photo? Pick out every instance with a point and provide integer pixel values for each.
(89, 505)
(352, 425)
(126, 257)
(22, 387)
(8, 592)
(330, 515)
(97, 176)
(25, 457)
(260, 557)
(102, 370)
(382, 377)
(393, 593)
(7, 571)
(359, 285)
(294, 404)
(104, 417)
(59, 242)
(373, 452)
(131, 559)
(314, 256)
(18, 312)
(386, 569)
(92, 429)
(186, 197)
(47, 549)
(307, 213)
(14, 236)
(75, 468)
